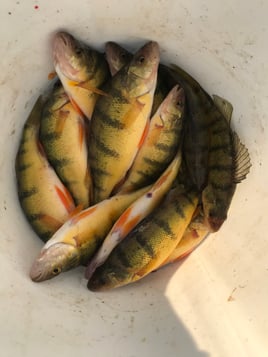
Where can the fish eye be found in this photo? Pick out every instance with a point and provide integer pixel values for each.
(56, 271)
(78, 51)
(141, 59)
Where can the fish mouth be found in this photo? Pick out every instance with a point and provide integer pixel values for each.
(96, 285)
(62, 52)
(178, 95)
(214, 223)
(151, 49)
(151, 53)
(177, 100)
(35, 273)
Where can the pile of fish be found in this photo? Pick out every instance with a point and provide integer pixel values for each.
(124, 165)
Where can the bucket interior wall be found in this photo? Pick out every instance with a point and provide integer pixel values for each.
(213, 303)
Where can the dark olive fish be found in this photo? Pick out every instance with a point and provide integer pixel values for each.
(197, 120)
(213, 153)
(228, 165)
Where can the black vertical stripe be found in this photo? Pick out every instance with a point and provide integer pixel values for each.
(164, 225)
(143, 242)
(104, 149)
(28, 193)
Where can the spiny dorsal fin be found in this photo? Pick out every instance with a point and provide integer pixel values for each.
(224, 107)
(242, 162)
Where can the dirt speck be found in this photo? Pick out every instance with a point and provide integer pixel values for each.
(231, 298)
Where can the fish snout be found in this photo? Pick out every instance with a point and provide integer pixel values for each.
(36, 273)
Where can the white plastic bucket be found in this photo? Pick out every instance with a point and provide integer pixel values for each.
(214, 303)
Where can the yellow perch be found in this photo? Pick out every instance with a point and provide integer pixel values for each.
(150, 243)
(120, 119)
(161, 143)
(136, 212)
(63, 133)
(45, 201)
(79, 238)
(81, 70)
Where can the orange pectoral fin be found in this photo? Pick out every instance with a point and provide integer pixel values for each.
(159, 124)
(51, 221)
(41, 148)
(83, 214)
(81, 133)
(51, 75)
(124, 224)
(134, 111)
(123, 218)
(76, 210)
(131, 224)
(87, 86)
(161, 180)
(66, 198)
(144, 135)
(76, 107)
(63, 115)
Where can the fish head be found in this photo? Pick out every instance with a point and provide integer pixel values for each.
(58, 258)
(215, 212)
(172, 108)
(144, 65)
(177, 101)
(72, 59)
(116, 56)
(105, 279)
